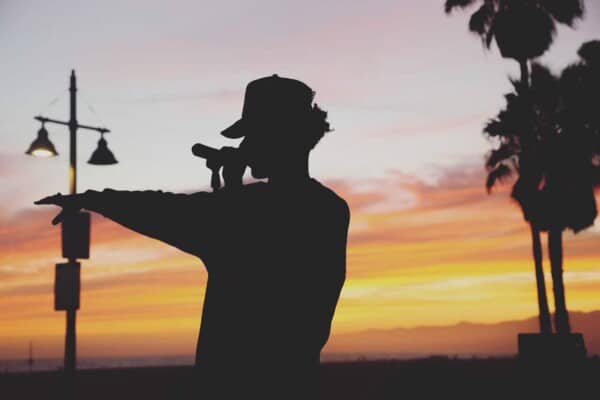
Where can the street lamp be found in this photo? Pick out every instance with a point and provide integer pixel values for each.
(42, 146)
(75, 226)
(102, 155)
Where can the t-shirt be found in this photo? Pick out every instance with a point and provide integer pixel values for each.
(276, 262)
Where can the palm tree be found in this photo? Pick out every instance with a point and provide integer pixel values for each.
(523, 30)
(519, 130)
(549, 134)
(574, 164)
(580, 85)
(570, 204)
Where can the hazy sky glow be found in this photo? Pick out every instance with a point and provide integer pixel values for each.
(407, 89)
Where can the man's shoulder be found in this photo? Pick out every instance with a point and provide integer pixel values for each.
(254, 187)
(313, 190)
(241, 192)
(334, 200)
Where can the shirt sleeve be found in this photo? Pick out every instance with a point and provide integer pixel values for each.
(185, 221)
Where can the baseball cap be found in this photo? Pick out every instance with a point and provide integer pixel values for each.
(269, 98)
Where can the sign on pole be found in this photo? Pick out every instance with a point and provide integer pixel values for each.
(76, 235)
(66, 286)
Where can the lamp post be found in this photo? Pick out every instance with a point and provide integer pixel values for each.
(75, 229)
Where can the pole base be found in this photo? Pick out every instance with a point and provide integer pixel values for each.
(538, 347)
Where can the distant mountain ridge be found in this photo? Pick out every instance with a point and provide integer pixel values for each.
(462, 339)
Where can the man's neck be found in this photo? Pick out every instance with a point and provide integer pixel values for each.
(291, 176)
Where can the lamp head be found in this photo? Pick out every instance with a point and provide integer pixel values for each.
(42, 146)
(102, 155)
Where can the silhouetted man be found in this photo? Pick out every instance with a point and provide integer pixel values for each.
(275, 252)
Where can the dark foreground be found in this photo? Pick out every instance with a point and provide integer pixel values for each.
(420, 379)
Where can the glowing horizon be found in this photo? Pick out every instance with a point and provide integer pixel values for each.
(409, 264)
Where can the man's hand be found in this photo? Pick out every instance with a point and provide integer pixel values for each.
(233, 165)
(69, 203)
(59, 199)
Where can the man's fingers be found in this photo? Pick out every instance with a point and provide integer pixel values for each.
(59, 217)
(55, 199)
(212, 164)
(69, 204)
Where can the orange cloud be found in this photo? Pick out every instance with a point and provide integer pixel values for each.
(420, 253)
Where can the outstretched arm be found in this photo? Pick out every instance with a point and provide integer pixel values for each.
(181, 220)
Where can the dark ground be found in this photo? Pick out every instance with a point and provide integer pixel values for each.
(438, 378)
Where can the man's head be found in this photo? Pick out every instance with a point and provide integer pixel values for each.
(279, 124)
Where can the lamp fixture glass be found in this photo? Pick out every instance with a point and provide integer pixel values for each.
(42, 146)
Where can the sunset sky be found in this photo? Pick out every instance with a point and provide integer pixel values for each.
(407, 89)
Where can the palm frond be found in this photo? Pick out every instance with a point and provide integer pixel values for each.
(590, 52)
(493, 128)
(564, 11)
(523, 31)
(513, 97)
(497, 174)
(452, 4)
(498, 156)
(541, 72)
(481, 21)
(545, 91)
(544, 80)
(489, 37)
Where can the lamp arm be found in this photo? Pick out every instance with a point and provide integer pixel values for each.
(79, 126)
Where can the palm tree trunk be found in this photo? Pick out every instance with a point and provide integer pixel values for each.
(524, 64)
(544, 311)
(561, 315)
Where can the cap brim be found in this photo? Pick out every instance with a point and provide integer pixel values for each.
(235, 131)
